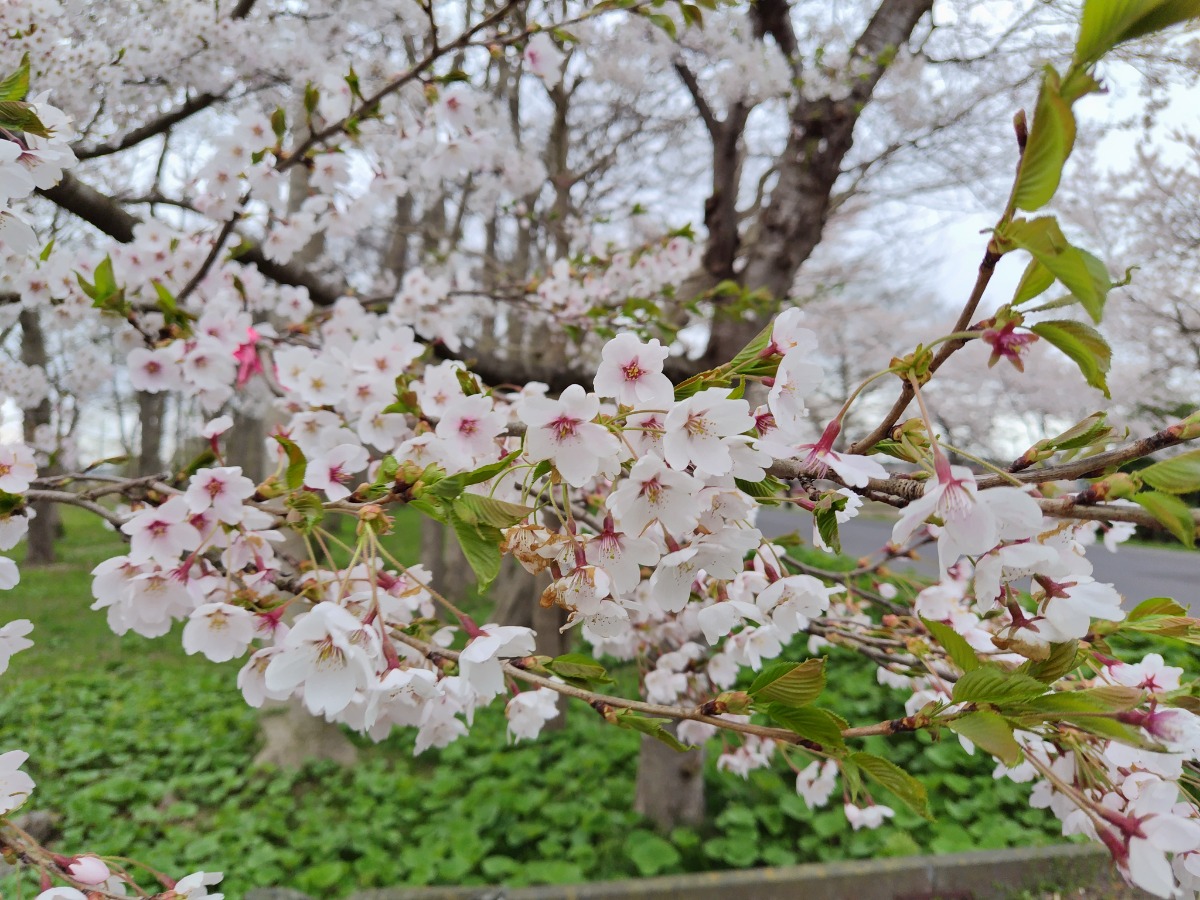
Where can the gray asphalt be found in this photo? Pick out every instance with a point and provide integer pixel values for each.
(1137, 572)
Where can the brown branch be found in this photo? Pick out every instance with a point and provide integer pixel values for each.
(151, 129)
(986, 268)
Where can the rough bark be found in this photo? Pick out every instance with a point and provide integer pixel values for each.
(151, 411)
(821, 134)
(44, 528)
(670, 785)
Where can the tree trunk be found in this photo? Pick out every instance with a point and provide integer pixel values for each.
(670, 785)
(45, 527)
(151, 410)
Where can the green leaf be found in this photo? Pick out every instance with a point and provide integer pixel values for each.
(1171, 512)
(1035, 282)
(474, 508)
(761, 490)
(961, 653)
(294, 477)
(1178, 475)
(480, 544)
(310, 508)
(819, 725)
(1043, 239)
(1106, 23)
(887, 774)
(988, 732)
(19, 116)
(1156, 606)
(578, 666)
(991, 684)
(827, 528)
(1063, 658)
(16, 85)
(1106, 699)
(790, 683)
(1051, 137)
(754, 349)
(652, 727)
(1083, 344)
(650, 853)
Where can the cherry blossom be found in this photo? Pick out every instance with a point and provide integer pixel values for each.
(219, 630)
(163, 533)
(695, 427)
(654, 491)
(330, 471)
(529, 711)
(632, 373)
(563, 432)
(15, 785)
(13, 640)
(223, 489)
(17, 468)
(319, 656)
(480, 661)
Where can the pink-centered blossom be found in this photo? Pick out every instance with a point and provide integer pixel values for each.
(163, 533)
(330, 471)
(695, 428)
(632, 373)
(223, 489)
(544, 59)
(563, 432)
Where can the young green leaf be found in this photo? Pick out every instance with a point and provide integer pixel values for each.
(16, 85)
(1043, 239)
(887, 774)
(1178, 475)
(1051, 138)
(988, 732)
(1171, 512)
(294, 477)
(991, 684)
(961, 653)
(1083, 344)
(818, 725)
(790, 683)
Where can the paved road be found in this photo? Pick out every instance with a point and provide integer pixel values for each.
(1137, 572)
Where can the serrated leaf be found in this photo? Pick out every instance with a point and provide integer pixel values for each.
(827, 528)
(480, 544)
(310, 508)
(761, 490)
(1171, 512)
(19, 116)
(1036, 280)
(498, 513)
(16, 85)
(1178, 475)
(1083, 344)
(961, 653)
(1105, 699)
(1156, 606)
(990, 684)
(1107, 23)
(990, 733)
(1051, 137)
(1063, 658)
(790, 683)
(294, 477)
(818, 725)
(655, 728)
(578, 665)
(902, 785)
(1043, 239)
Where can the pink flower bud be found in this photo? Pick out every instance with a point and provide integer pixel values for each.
(89, 870)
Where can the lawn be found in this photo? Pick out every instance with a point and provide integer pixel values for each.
(146, 752)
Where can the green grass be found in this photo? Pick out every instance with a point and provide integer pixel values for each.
(146, 752)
